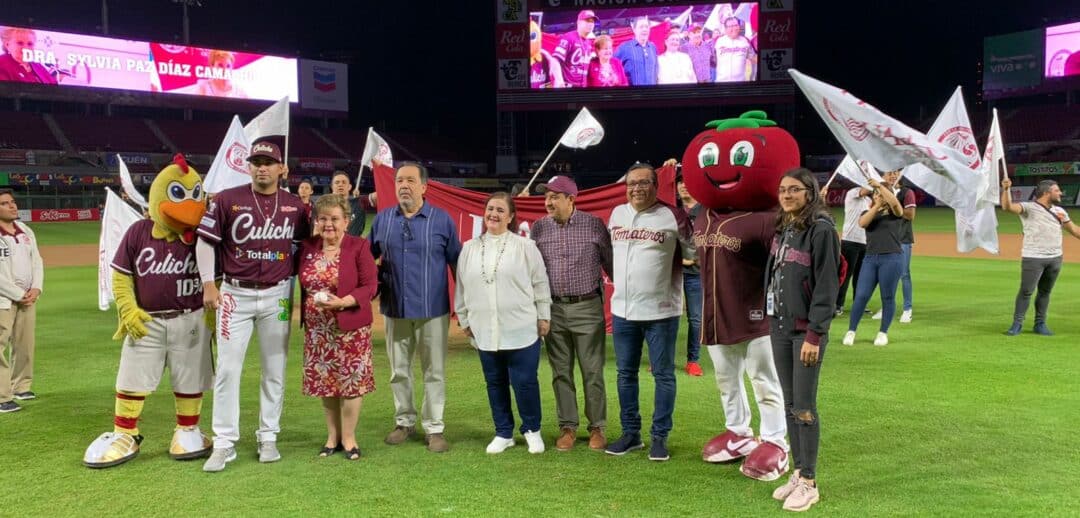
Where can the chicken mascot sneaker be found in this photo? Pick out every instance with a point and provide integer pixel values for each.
(734, 169)
(159, 301)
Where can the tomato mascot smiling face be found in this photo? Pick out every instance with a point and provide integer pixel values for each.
(737, 163)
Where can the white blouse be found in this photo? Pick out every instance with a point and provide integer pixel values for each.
(501, 291)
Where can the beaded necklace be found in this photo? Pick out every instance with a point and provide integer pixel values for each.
(483, 247)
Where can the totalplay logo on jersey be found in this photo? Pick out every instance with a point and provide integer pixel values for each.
(260, 255)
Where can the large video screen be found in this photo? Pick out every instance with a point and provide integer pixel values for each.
(644, 46)
(57, 58)
(1063, 50)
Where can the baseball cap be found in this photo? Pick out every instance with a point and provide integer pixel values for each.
(266, 148)
(561, 184)
(586, 14)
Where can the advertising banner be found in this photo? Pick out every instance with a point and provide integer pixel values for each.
(1013, 61)
(57, 215)
(1044, 169)
(324, 85)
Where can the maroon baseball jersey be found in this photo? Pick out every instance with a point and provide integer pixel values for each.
(166, 275)
(574, 52)
(732, 248)
(254, 233)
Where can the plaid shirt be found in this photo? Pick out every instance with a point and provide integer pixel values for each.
(574, 253)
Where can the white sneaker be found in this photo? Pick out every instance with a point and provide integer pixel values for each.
(535, 442)
(849, 338)
(268, 452)
(499, 445)
(882, 339)
(877, 316)
(218, 459)
(905, 317)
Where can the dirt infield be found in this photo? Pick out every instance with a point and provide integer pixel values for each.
(69, 255)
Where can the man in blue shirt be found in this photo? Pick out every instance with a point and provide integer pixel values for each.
(638, 56)
(417, 243)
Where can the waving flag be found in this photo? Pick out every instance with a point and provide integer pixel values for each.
(272, 121)
(128, 185)
(116, 219)
(230, 167)
(583, 132)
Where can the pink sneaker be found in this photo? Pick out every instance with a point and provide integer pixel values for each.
(802, 498)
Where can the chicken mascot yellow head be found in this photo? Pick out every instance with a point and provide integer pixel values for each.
(177, 201)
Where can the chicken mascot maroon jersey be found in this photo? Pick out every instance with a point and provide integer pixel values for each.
(734, 169)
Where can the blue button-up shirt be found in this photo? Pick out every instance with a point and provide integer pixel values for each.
(415, 253)
(638, 61)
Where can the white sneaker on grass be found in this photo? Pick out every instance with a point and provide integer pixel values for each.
(849, 338)
(905, 317)
(268, 452)
(535, 442)
(881, 340)
(219, 458)
(877, 316)
(499, 445)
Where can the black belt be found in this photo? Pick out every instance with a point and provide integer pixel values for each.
(251, 285)
(575, 298)
(170, 314)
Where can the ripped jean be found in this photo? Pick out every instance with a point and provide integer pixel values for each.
(800, 385)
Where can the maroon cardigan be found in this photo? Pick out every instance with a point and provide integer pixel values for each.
(356, 276)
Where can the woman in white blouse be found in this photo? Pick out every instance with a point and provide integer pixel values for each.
(503, 304)
(675, 66)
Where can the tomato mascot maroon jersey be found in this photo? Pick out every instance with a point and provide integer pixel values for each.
(733, 169)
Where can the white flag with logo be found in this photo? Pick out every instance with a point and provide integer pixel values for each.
(977, 227)
(951, 129)
(993, 162)
(585, 131)
(128, 185)
(230, 167)
(272, 121)
(377, 148)
(115, 221)
(868, 134)
(851, 170)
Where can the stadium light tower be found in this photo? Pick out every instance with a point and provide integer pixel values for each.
(187, 21)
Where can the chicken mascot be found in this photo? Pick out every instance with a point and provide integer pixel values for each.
(734, 169)
(159, 301)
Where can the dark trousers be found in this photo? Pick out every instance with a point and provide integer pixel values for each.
(514, 368)
(577, 331)
(853, 253)
(629, 337)
(1041, 273)
(692, 301)
(800, 386)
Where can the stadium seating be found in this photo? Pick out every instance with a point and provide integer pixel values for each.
(96, 133)
(26, 130)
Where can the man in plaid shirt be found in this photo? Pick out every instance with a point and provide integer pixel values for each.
(575, 246)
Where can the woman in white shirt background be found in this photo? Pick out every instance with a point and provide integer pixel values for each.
(503, 304)
(675, 66)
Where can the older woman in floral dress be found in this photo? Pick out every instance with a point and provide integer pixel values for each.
(337, 282)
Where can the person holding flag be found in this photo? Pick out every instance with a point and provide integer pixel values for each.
(884, 261)
(1041, 254)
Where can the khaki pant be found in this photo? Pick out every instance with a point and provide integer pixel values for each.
(577, 330)
(16, 327)
(403, 337)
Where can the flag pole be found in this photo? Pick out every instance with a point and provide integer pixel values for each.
(525, 191)
(831, 178)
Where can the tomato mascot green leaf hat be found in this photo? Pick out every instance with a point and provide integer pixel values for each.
(737, 163)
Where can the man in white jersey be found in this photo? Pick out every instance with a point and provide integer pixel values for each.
(1041, 253)
(251, 229)
(733, 53)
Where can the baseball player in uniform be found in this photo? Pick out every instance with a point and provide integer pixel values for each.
(251, 229)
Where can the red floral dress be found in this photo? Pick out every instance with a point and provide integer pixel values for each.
(336, 363)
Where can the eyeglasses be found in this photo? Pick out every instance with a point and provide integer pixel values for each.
(791, 190)
(642, 184)
(406, 230)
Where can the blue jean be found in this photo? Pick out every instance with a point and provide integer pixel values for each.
(883, 269)
(905, 276)
(629, 336)
(692, 299)
(516, 368)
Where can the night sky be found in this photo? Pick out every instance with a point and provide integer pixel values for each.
(428, 67)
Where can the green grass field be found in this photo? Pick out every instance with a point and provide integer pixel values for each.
(951, 419)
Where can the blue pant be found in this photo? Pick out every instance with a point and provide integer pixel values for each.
(692, 299)
(877, 269)
(629, 336)
(516, 368)
(905, 276)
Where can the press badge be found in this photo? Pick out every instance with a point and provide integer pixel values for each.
(770, 307)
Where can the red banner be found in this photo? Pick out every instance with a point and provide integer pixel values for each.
(466, 207)
(55, 215)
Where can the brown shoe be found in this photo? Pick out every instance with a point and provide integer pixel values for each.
(597, 441)
(399, 435)
(566, 439)
(436, 443)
